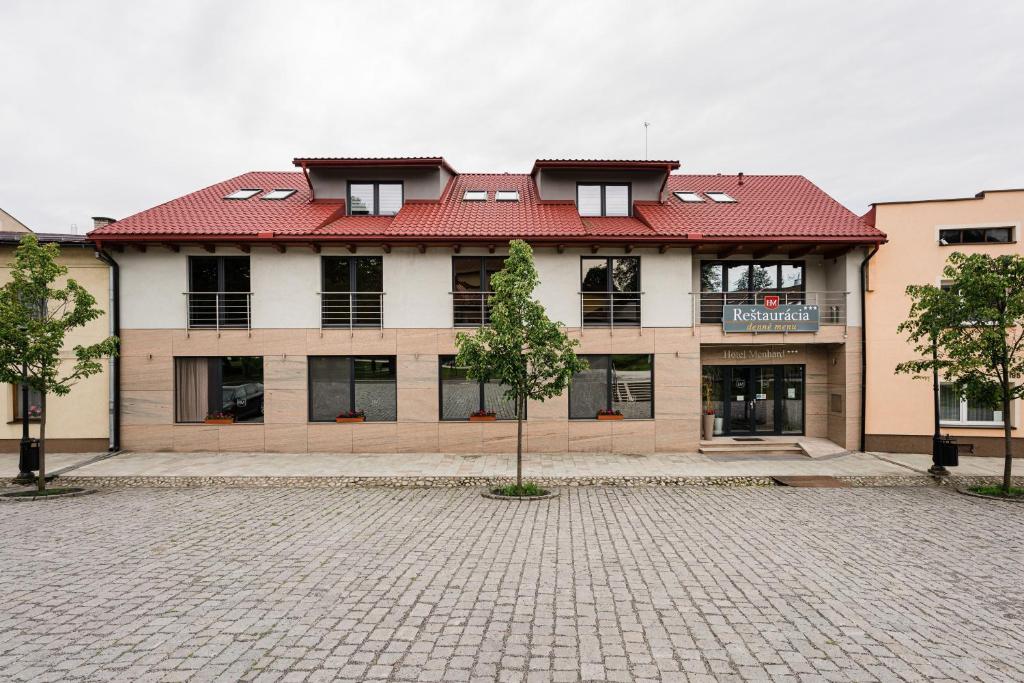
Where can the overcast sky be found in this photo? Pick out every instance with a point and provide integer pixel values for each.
(108, 108)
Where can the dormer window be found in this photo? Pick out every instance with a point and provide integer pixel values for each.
(507, 195)
(278, 195)
(374, 198)
(603, 199)
(720, 197)
(689, 197)
(474, 196)
(243, 194)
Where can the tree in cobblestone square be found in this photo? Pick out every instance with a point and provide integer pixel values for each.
(523, 349)
(971, 330)
(35, 316)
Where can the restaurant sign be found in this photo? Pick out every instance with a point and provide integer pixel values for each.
(771, 316)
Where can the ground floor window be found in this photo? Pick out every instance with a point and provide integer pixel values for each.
(35, 403)
(622, 382)
(955, 408)
(462, 396)
(208, 386)
(339, 384)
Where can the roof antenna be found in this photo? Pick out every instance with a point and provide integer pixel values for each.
(646, 126)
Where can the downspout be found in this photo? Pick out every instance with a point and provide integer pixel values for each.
(864, 347)
(115, 361)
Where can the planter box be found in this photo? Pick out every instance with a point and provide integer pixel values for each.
(483, 418)
(611, 417)
(341, 420)
(219, 420)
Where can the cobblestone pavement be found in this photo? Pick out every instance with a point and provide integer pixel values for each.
(443, 585)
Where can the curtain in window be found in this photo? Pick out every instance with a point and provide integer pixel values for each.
(192, 383)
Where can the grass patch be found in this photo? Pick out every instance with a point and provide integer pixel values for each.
(997, 491)
(527, 489)
(35, 493)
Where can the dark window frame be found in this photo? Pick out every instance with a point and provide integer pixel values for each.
(352, 272)
(608, 260)
(985, 230)
(484, 277)
(215, 386)
(221, 260)
(376, 196)
(751, 264)
(16, 415)
(608, 385)
(351, 385)
(480, 387)
(604, 203)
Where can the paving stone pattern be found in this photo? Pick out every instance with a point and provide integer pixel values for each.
(659, 583)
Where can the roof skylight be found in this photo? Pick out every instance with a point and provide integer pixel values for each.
(243, 194)
(689, 197)
(278, 194)
(474, 196)
(507, 195)
(720, 197)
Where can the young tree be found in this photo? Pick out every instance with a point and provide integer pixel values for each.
(972, 333)
(35, 317)
(522, 348)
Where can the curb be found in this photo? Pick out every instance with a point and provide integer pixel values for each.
(40, 499)
(493, 496)
(1018, 500)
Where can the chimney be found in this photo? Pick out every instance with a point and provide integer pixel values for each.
(101, 221)
(739, 176)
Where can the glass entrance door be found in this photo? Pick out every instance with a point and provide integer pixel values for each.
(759, 399)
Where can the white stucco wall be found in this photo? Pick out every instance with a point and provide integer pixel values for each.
(152, 288)
(416, 286)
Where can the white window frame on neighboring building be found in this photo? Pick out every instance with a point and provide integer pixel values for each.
(997, 420)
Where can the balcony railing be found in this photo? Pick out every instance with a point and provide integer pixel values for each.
(471, 309)
(831, 305)
(218, 310)
(610, 309)
(348, 310)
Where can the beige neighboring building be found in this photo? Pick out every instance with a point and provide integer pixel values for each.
(79, 421)
(922, 235)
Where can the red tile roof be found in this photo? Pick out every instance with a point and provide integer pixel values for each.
(772, 207)
(768, 208)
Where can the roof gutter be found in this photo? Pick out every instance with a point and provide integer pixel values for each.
(864, 346)
(115, 362)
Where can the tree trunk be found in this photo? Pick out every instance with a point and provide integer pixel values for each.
(1007, 440)
(42, 440)
(520, 406)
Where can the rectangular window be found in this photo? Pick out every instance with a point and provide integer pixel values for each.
(622, 382)
(474, 196)
(999, 235)
(746, 282)
(35, 403)
(375, 198)
(338, 384)
(229, 385)
(507, 195)
(462, 396)
(352, 291)
(955, 408)
(471, 287)
(603, 199)
(219, 288)
(689, 197)
(610, 290)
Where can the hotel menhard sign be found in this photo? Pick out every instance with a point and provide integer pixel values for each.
(771, 316)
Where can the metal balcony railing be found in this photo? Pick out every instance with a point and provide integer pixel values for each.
(611, 309)
(218, 310)
(350, 310)
(471, 309)
(832, 306)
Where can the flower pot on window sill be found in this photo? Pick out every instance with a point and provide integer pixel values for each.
(611, 417)
(219, 420)
(483, 418)
(342, 420)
